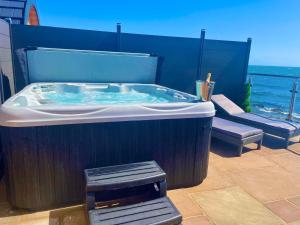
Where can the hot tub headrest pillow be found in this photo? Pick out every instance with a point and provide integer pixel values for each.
(61, 65)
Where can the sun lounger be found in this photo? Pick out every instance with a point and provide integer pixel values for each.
(229, 110)
(236, 133)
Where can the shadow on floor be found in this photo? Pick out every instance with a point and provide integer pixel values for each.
(273, 142)
(227, 150)
(65, 216)
(77, 215)
(7, 211)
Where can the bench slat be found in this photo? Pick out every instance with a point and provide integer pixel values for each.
(98, 172)
(122, 176)
(156, 211)
(117, 168)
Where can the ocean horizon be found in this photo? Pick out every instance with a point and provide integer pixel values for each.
(270, 96)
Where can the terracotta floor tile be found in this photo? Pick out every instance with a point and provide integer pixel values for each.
(213, 156)
(223, 150)
(215, 180)
(64, 216)
(295, 144)
(247, 161)
(295, 148)
(295, 201)
(267, 184)
(285, 210)
(267, 152)
(289, 161)
(266, 175)
(186, 206)
(188, 209)
(177, 195)
(198, 220)
(233, 206)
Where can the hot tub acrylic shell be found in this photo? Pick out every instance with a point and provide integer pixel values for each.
(45, 161)
(53, 114)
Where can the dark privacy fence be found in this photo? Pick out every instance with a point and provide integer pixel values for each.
(6, 68)
(181, 60)
(6, 73)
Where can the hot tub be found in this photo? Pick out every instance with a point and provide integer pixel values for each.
(42, 104)
(51, 132)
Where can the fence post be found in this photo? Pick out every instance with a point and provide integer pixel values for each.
(247, 56)
(118, 37)
(293, 99)
(201, 49)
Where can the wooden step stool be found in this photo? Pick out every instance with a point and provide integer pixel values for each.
(156, 211)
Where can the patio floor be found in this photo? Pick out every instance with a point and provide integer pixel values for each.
(262, 187)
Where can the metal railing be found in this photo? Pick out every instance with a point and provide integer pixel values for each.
(294, 89)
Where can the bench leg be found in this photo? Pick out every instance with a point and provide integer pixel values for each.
(259, 144)
(240, 149)
(163, 188)
(90, 200)
(287, 142)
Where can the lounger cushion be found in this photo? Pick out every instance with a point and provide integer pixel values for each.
(234, 129)
(267, 124)
(226, 104)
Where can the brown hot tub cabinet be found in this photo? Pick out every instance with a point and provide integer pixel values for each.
(46, 147)
(45, 164)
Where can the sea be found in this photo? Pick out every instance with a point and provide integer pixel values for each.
(271, 96)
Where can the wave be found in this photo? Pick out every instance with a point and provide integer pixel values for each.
(296, 116)
(269, 105)
(271, 96)
(274, 112)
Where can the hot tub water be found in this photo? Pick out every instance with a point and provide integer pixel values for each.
(107, 94)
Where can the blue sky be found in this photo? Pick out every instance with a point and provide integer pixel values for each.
(274, 25)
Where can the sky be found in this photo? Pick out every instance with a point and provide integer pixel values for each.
(273, 25)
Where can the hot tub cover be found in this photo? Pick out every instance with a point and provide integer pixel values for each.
(73, 65)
